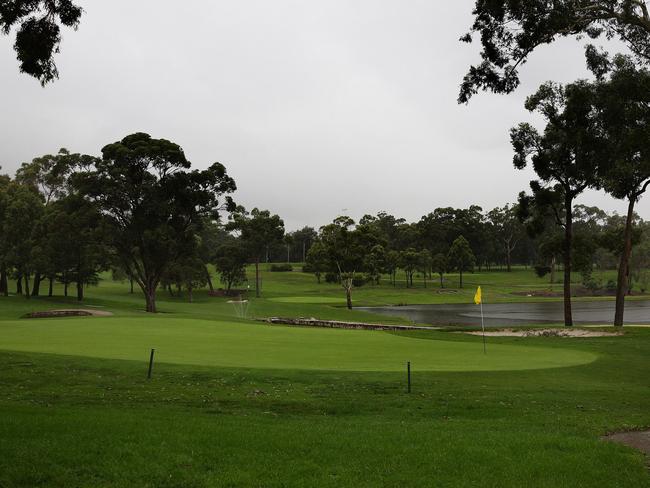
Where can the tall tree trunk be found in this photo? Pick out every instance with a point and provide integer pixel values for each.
(26, 278)
(170, 290)
(65, 288)
(348, 292)
(508, 258)
(150, 298)
(209, 278)
(190, 295)
(568, 241)
(288, 253)
(50, 288)
(624, 266)
(36, 286)
(461, 276)
(131, 280)
(257, 277)
(80, 291)
(19, 285)
(4, 282)
(304, 251)
(442, 284)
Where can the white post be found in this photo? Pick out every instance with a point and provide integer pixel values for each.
(483, 327)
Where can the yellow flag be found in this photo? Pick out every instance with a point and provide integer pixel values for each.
(477, 297)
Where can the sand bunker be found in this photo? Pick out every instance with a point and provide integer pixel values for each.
(638, 440)
(70, 312)
(567, 332)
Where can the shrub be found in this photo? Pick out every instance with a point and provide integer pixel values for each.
(331, 278)
(281, 268)
(542, 271)
(611, 285)
(308, 268)
(358, 281)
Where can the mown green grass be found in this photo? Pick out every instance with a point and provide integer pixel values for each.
(242, 345)
(74, 413)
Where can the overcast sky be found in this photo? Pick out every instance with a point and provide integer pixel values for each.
(317, 108)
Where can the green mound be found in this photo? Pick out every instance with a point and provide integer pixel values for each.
(241, 345)
(308, 299)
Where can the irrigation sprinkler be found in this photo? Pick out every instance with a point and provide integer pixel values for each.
(241, 307)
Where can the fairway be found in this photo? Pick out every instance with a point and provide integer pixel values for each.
(243, 345)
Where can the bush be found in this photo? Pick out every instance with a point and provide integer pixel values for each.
(358, 281)
(331, 278)
(308, 268)
(611, 285)
(542, 271)
(281, 268)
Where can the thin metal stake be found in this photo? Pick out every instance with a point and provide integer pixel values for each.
(483, 327)
(150, 364)
(408, 369)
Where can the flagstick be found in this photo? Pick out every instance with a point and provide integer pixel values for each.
(483, 327)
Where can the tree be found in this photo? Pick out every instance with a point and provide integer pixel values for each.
(258, 230)
(23, 209)
(461, 257)
(82, 258)
(153, 204)
(510, 31)
(38, 36)
(230, 262)
(508, 229)
(392, 264)
(424, 264)
(4, 242)
(317, 260)
(345, 252)
(565, 157)
(375, 263)
(439, 266)
(623, 102)
(409, 261)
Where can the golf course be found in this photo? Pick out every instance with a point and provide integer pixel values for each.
(234, 401)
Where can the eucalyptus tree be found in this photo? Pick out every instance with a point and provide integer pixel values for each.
(153, 204)
(23, 208)
(460, 257)
(508, 230)
(564, 156)
(623, 102)
(317, 260)
(4, 242)
(258, 231)
(345, 248)
(510, 31)
(38, 34)
(439, 266)
(230, 262)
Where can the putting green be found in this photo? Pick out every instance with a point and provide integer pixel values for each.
(307, 299)
(241, 345)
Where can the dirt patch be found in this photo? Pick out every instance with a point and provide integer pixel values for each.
(81, 312)
(638, 440)
(545, 333)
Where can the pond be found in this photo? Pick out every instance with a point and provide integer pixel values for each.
(507, 314)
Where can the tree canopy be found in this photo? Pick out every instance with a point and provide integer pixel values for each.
(510, 31)
(38, 32)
